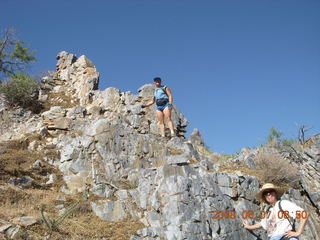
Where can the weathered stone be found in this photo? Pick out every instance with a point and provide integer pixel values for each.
(33, 146)
(5, 227)
(52, 179)
(15, 233)
(61, 198)
(122, 194)
(60, 206)
(180, 152)
(37, 164)
(23, 182)
(195, 138)
(25, 221)
(110, 211)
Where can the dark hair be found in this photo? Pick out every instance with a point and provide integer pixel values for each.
(157, 79)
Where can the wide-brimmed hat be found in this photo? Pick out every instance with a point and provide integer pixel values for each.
(266, 187)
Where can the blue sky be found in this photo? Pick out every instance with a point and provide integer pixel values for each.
(236, 68)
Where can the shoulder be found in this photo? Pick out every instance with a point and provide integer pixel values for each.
(167, 88)
(288, 205)
(285, 202)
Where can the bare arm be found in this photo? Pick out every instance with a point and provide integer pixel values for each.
(302, 224)
(246, 225)
(149, 103)
(168, 90)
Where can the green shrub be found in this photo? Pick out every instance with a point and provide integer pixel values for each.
(276, 140)
(20, 90)
(274, 135)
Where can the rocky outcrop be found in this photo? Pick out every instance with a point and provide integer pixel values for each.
(78, 75)
(310, 170)
(106, 140)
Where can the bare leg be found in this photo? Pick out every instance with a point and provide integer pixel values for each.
(161, 122)
(167, 114)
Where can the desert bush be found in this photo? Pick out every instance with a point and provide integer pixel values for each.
(20, 90)
(276, 169)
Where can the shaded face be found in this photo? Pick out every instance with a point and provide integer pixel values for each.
(157, 83)
(270, 196)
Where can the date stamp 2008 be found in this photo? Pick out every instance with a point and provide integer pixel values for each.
(216, 214)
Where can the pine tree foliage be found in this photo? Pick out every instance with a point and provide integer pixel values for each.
(14, 56)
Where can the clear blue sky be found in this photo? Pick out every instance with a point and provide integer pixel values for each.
(236, 68)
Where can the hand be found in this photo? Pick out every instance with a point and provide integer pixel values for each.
(290, 234)
(245, 224)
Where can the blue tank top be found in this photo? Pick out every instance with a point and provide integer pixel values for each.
(159, 93)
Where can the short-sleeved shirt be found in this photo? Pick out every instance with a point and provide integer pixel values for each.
(277, 224)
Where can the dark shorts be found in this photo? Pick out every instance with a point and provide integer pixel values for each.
(162, 107)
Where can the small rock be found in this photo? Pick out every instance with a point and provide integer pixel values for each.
(122, 194)
(15, 233)
(5, 227)
(33, 146)
(37, 164)
(25, 221)
(44, 132)
(52, 179)
(60, 206)
(21, 182)
(61, 198)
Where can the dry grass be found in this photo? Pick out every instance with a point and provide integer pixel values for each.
(276, 169)
(90, 227)
(214, 157)
(81, 224)
(16, 161)
(231, 167)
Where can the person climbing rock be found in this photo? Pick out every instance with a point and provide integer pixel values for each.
(163, 99)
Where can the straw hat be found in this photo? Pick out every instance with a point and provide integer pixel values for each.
(266, 187)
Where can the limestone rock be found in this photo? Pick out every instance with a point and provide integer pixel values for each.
(52, 179)
(37, 164)
(5, 227)
(25, 221)
(195, 138)
(110, 211)
(55, 118)
(16, 233)
(79, 75)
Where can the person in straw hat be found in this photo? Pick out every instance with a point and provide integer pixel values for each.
(278, 222)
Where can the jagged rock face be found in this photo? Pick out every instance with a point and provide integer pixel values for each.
(310, 170)
(165, 185)
(17, 123)
(178, 201)
(79, 76)
(109, 142)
